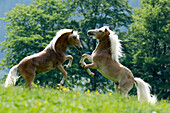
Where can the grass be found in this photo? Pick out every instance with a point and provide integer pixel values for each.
(47, 100)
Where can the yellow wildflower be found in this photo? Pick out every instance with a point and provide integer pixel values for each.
(118, 87)
(36, 85)
(110, 93)
(67, 88)
(96, 92)
(88, 90)
(32, 83)
(61, 87)
(64, 88)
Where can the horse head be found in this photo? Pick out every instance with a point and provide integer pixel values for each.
(99, 33)
(73, 40)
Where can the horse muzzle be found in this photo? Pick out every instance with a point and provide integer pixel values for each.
(79, 47)
(90, 33)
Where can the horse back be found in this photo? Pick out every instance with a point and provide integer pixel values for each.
(43, 61)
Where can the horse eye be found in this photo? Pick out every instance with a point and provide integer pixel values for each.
(74, 38)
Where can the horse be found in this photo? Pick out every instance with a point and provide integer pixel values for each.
(105, 59)
(53, 56)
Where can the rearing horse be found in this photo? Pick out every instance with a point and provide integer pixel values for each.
(105, 59)
(53, 56)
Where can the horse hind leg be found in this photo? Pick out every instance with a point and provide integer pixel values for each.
(125, 88)
(61, 69)
(28, 73)
(120, 90)
(116, 87)
(29, 79)
(124, 92)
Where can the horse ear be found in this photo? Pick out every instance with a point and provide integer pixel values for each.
(107, 31)
(72, 31)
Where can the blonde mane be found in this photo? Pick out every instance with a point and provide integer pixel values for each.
(51, 45)
(116, 48)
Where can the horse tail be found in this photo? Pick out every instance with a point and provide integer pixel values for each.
(143, 91)
(12, 77)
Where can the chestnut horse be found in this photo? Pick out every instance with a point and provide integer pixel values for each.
(105, 59)
(53, 56)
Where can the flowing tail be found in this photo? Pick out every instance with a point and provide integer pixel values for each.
(12, 77)
(143, 91)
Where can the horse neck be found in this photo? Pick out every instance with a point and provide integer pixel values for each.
(104, 44)
(62, 44)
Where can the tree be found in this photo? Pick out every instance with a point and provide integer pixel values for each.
(149, 45)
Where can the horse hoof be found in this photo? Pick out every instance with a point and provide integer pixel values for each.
(83, 66)
(58, 85)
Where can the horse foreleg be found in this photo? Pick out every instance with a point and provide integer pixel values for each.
(84, 56)
(70, 61)
(83, 64)
(91, 66)
(61, 69)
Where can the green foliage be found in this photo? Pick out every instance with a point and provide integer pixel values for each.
(19, 100)
(148, 45)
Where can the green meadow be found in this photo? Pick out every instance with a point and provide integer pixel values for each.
(64, 100)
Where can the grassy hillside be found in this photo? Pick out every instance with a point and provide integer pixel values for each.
(47, 100)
